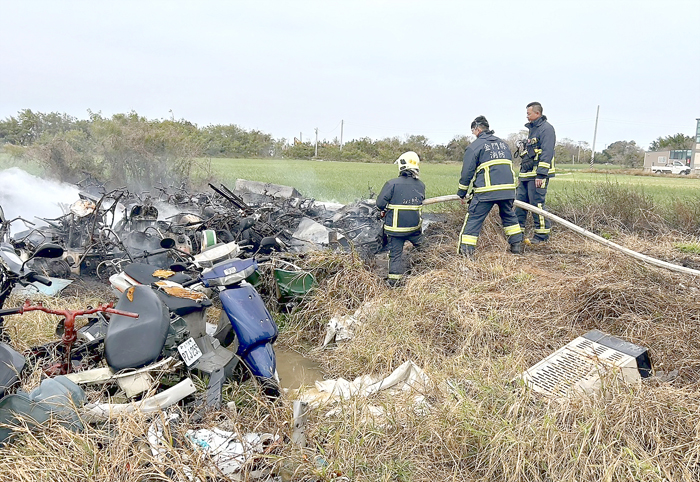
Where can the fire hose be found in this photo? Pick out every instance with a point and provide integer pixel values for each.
(639, 256)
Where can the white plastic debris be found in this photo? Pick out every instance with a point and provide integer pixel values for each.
(228, 451)
(408, 376)
(342, 328)
(94, 412)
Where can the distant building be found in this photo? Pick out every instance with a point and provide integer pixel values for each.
(690, 157)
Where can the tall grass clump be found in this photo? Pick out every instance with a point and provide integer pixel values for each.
(608, 206)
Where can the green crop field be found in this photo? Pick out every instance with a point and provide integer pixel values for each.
(332, 181)
(661, 188)
(583, 166)
(347, 181)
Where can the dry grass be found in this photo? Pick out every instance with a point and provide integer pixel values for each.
(481, 323)
(475, 324)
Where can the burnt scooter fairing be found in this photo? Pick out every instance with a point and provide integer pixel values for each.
(254, 327)
(11, 365)
(12, 272)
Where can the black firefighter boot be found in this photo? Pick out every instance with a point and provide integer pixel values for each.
(516, 248)
(467, 250)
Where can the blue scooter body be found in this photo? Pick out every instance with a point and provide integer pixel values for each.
(250, 320)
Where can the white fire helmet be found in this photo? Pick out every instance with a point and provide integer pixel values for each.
(408, 161)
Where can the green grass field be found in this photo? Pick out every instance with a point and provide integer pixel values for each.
(347, 181)
(332, 181)
(661, 188)
(583, 166)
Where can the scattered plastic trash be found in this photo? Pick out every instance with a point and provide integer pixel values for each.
(227, 450)
(408, 376)
(342, 328)
(156, 435)
(94, 412)
(301, 417)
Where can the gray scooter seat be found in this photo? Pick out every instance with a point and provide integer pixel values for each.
(137, 342)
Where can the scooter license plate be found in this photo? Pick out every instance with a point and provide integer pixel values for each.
(189, 351)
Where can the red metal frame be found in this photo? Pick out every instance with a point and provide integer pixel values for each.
(70, 333)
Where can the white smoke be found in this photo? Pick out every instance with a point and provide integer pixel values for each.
(22, 194)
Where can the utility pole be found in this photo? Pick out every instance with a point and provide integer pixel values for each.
(341, 134)
(316, 148)
(301, 139)
(595, 133)
(578, 154)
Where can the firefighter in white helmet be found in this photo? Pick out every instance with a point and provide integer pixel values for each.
(401, 203)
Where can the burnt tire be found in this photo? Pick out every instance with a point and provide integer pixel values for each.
(269, 387)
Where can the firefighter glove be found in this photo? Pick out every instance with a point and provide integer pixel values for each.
(527, 165)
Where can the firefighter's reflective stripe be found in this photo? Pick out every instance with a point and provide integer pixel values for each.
(494, 162)
(541, 230)
(550, 166)
(497, 187)
(469, 240)
(486, 167)
(462, 230)
(511, 230)
(394, 276)
(463, 187)
(396, 208)
(532, 173)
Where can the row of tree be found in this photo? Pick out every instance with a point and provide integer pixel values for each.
(128, 147)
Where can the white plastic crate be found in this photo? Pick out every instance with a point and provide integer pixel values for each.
(580, 365)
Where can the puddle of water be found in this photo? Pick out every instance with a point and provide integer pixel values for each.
(294, 370)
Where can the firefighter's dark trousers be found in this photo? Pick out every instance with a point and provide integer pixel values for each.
(476, 215)
(527, 192)
(397, 267)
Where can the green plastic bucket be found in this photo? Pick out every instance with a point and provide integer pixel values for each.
(293, 285)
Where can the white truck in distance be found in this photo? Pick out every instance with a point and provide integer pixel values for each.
(677, 167)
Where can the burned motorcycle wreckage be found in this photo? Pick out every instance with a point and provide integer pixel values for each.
(170, 256)
(99, 233)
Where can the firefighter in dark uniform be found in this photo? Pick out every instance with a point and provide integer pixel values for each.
(487, 174)
(536, 168)
(401, 203)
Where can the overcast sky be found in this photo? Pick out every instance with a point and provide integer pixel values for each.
(387, 68)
